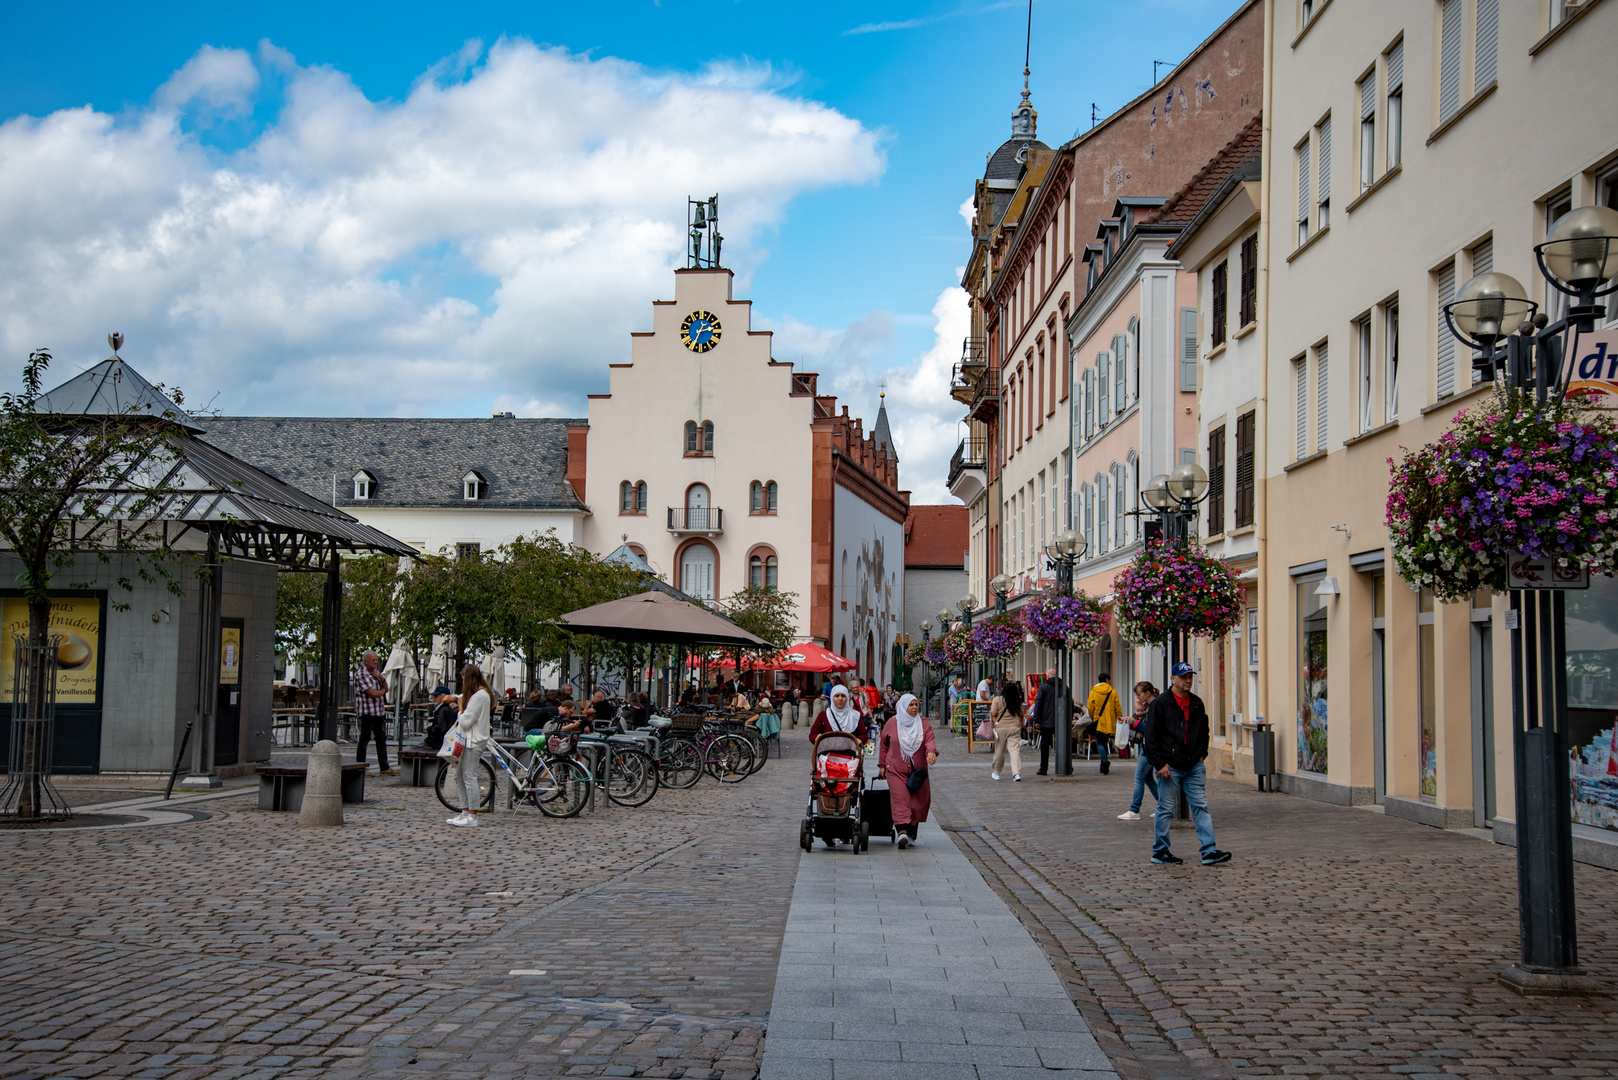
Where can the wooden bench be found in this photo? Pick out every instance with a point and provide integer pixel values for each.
(420, 766)
(280, 787)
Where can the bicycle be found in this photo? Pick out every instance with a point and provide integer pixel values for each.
(556, 786)
(628, 774)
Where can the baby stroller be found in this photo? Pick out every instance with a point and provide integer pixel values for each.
(836, 786)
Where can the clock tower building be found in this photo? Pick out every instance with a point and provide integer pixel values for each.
(724, 467)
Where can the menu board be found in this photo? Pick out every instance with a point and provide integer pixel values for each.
(74, 619)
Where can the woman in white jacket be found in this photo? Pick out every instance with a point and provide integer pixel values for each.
(476, 704)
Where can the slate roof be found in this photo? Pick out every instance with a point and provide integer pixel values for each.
(935, 536)
(882, 434)
(416, 462)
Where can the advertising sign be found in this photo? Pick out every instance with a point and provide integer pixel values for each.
(230, 655)
(77, 621)
(1595, 367)
(1528, 573)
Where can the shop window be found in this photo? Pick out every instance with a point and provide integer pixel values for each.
(1312, 668)
(1427, 646)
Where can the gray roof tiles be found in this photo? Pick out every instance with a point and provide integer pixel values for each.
(416, 462)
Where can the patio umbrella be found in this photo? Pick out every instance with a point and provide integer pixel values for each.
(438, 662)
(804, 656)
(657, 618)
(496, 674)
(401, 672)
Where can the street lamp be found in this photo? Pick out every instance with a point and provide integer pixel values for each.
(1174, 498)
(926, 667)
(1001, 585)
(1578, 258)
(967, 606)
(1066, 550)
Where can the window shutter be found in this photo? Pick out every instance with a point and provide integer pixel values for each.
(1483, 257)
(1300, 380)
(1446, 340)
(1244, 470)
(1103, 381)
(1321, 384)
(1249, 313)
(1188, 349)
(1219, 316)
(1449, 59)
(1089, 403)
(1119, 493)
(1368, 97)
(1488, 15)
(1303, 184)
(1103, 525)
(1396, 68)
(1216, 481)
(1324, 135)
(1120, 372)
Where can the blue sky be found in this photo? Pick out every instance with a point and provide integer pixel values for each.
(849, 237)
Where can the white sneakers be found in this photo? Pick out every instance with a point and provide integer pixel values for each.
(994, 776)
(462, 819)
(1129, 815)
(1017, 777)
(904, 840)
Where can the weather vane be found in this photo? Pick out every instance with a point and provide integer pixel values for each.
(702, 221)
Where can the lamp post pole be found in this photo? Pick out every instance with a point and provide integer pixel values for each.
(943, 694)
(926, 668)
(1515, 344)
(967, 606)
(1066, 551)
(1174, 498)
(1001, 585)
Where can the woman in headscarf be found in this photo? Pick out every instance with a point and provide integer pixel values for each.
(908, 748)
(842, 716)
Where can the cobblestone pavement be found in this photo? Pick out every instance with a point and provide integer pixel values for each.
(1337, 943)
(244, 946)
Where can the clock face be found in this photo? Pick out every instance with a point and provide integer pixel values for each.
(700, 331)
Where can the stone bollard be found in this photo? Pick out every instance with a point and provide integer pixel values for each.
(323, 790)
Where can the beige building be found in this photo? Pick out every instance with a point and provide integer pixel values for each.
(1408, 146)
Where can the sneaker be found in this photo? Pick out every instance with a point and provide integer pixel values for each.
(458, 819)
(471, 819)
(1129, 815)
(1215, 857)
(994, 776)
(1168, 858)
(1018, 777)
(904, 840)
(389, 772)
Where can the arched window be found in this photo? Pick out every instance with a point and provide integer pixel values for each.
(707, 436)
(640, 497)
(769, 496)
(755, 497)
(763, 570)
(693, 437)
(1132, 502)
(696, 506)
(626, 498)
(1103, 531)
(364, 485)
(697, 572)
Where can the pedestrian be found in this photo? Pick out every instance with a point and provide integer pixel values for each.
(1009, 715)
(476, 705)
(445, 713)
(1104, 710)
(908, 751)
(370, 688)
(1177, 744)
(1145, 778)
(984, 690)
(1047, 704)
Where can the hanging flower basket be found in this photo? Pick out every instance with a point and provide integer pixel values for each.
(1072, 622)
(917, 652)
(1508, 476)
(1172, 587)
(957, 646)
(933, 651)
(997, 637)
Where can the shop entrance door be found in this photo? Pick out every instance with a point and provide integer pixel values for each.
(228, 705)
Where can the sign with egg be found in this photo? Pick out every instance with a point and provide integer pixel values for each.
(77, 621)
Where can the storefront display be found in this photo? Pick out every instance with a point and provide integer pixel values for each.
(1592, 697)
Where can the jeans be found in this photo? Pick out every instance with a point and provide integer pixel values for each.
(1101, 746)
(378, 726)
(1193, 782)
(1145, 778)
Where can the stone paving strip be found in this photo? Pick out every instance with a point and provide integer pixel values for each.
(904, 964)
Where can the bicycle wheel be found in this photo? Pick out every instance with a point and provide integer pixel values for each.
(730, 759)
(559, 787)
(756, 741)
(449, 791)
(633, 778)
(680, 764)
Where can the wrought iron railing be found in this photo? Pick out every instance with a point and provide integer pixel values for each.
(703, 519)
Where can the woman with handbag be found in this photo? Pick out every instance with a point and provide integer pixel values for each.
(908, 752)
(471, 732)
(1007, 715)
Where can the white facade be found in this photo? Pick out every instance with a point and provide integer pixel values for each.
(868, 611)
(445, 531)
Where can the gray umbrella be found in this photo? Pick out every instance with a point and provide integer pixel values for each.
(656, 618)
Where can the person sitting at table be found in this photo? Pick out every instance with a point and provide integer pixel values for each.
(639, 712)
(538, 710)
(446, 713)
(565, 720)
(600, 707)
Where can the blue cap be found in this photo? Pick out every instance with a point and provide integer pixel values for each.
(1182, 668)
(440, 690)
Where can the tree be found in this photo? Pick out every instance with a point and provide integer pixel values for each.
(765, 613)
(70, 485)
(298, 599)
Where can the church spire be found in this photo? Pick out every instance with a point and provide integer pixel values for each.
(1025, 121)
(881, 433)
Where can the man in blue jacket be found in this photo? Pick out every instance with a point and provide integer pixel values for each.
(1176, 744)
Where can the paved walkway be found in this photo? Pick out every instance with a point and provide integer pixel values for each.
(906, 964)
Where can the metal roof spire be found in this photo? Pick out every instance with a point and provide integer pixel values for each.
(1025, 121)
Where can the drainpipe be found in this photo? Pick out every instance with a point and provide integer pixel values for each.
(1261, 419)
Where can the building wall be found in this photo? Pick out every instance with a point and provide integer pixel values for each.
(1460, 182)
(762, 432)
(868, 584)
(927, 591)
(441, 530)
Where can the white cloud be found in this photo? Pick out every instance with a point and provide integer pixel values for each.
(493, 237)
(925, 420)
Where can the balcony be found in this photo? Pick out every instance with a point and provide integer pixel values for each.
(967, 470)
(696, 520)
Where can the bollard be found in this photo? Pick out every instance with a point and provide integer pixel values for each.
(323, 788)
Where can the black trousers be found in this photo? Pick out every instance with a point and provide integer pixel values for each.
(1047, 745)
(378, 726)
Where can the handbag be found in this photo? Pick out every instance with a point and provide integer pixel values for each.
(985, 731)
(914, 781)
(454, 746)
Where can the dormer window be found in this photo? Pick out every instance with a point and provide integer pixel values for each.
(364, 486)
(474, 487)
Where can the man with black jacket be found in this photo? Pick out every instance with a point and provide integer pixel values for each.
(1047, 703)
(1176, 744)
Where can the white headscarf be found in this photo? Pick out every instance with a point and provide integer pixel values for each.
(912, 729)
(845, 719)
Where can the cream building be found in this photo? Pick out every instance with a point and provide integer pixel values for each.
(1408, 146)
(723, 467)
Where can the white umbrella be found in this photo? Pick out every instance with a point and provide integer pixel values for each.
(497, 671)
(401, 671)
(438, 662)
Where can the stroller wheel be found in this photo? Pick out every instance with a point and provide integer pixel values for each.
(806, 837)
(865, 836)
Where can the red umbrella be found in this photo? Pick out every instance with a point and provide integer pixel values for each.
(804, 656)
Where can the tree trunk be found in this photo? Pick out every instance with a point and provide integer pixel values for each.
(35, 671)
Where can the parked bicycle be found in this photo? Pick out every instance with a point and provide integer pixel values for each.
(557, 786)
